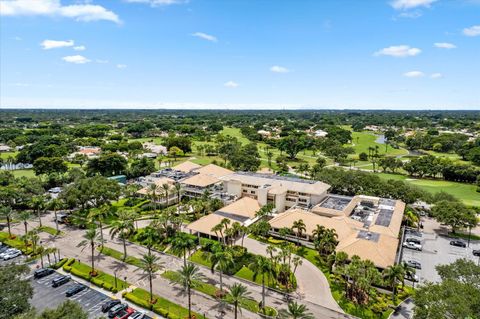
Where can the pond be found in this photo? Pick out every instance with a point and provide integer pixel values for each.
(380, 139)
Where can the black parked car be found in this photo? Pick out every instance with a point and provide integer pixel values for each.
(109, 304)
(476, 252)
(60, 281)
(42, 272)
(75, 290)
(458, 243)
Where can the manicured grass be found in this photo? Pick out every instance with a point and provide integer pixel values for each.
(162, 306)
(465, 192)
(102, 279)
(364, 140)
(235, 132)
(23, 173)
(119, 255)
(5, 155)
(208, 289)
(14, 242)
(200, 257)
(49, 230)
(247, 274)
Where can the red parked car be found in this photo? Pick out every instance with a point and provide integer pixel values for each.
(124, 314)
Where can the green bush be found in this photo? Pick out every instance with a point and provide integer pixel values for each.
(79, 273)
(59, 264)
(67, 268)
(98, 282)
(138, 301)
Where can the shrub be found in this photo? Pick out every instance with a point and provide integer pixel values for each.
(139, 301)
(80, 273)
(98, 282)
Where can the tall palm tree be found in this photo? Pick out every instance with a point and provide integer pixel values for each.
(263, 267)
(392, 275)
(152, 191)
(221, 259)
(99, 215)
(178, 189)
(38, 204)
(300, 227)
(190, 277)
(55, 204)
(237, 294)
(93, 240)
(183, 243)
(7, 213)
(166, 191)
(25, 216)
(150, 264)
(295, 311)
(150, 236)
(40, 251)
(122, 227)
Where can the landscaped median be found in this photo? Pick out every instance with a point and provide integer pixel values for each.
(208, 289)
(162, 306)
(50, 230)
(102, 280)
(15, 242)
(119, 256)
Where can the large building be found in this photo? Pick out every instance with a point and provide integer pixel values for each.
(366, 226)
(283, 192)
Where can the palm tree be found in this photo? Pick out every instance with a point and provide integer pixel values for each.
(122, 227)
(55, 204)
(297, 261)
(262, 266)
(152, 191)
(40, 251)
(221, 259)
(393, 274)
(190, 277)
(25, 216)
(178, 189)
(182, 242)
(295, 311)
(93, 240)
(166, 190)
(150, 264)
(100, 215)
(150, 236)
(237, 294)
(38, 203)
(300, 226)
(7, 213)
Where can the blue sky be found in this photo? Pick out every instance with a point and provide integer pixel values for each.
(399, 54)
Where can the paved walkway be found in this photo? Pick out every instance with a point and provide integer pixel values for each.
(312, 283)
(405, 310)
(201, 303)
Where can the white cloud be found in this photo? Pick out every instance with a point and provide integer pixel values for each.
(77, 59)
(121, 66)
(80, 48)
(445, 45)
(54, 44)
(205, 36)
(157, 3)
(414, 74)
(473, 31)
(80, 12)
(398, 51)
(436, 75)
(410, 4)
(231, 84)
(279, 69)
(411, 14)
(101, 61)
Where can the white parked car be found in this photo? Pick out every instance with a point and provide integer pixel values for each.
(12, 255)
(7, 252)
(412, 245)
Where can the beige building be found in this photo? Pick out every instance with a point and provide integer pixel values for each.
(204, 178)
(159, 190)
(242, 211)
(366, 226)
(283, 192)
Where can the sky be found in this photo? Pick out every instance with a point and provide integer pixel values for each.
(240, 54)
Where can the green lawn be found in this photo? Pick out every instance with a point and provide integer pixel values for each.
(102, 279)
(5, 155)
(235, 132)
(465, 192)
(49, 230)
(23, 173)
(364, 140)
(119, 256)
(201, 258)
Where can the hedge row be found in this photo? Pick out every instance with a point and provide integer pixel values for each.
(101, 280)
(162, 306)
(60, 263)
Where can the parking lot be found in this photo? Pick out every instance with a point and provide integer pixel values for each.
(437, 250)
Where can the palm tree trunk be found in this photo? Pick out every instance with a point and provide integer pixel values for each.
(151, 287)
(56, 221)
(189, 303)
(236, 309)
(26, 228)
(9, 230)
(184, 257)
(93, 255)
(41, 259)
(101, 231)
(221, 280)
(48, 258)
(39, 218)
(124, 248)
(263, 291)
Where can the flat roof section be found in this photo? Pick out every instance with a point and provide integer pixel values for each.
(384, 217)
(336, 202)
